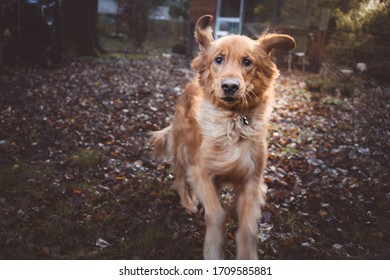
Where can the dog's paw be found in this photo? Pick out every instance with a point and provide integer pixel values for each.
(195, 200)
(189, 205)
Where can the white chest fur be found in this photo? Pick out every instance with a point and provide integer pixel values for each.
(229, 141)
(226, 127)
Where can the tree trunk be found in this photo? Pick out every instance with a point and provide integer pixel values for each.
(79, 27)
(137, 21)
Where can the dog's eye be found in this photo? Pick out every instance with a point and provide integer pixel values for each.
(247, 62)
(218, 60)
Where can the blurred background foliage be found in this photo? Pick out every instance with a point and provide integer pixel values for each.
(359, 31)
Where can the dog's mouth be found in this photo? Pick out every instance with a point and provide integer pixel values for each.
(229, 99)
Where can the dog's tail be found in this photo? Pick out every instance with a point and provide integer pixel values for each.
(162, 141)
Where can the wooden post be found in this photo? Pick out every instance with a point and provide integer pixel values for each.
(241, 16)
(318, 45)
(276, 12)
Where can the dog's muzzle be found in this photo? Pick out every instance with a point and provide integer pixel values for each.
(230, 87)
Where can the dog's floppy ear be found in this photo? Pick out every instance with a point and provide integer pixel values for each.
(280, 42)
(204, 32)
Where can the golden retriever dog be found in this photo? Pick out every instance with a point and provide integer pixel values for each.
(219, 130)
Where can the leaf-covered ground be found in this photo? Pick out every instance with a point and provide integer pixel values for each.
(78, 181)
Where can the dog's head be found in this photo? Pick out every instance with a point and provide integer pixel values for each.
(236, 71)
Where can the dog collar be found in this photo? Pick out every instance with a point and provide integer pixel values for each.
(244, 120)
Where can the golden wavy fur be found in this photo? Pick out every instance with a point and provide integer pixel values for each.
(219, 130)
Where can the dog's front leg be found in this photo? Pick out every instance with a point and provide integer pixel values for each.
(201, 183)
(214, 239)
(248, 209)
(180, 185)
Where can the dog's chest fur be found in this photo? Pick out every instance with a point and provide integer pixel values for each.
(230, 140)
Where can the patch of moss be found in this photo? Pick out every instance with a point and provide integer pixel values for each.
(152, 236)
(86, 158)
(15, 176)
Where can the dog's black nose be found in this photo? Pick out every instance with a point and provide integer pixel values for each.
(230, 86)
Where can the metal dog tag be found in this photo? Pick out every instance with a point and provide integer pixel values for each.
(244, 120)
